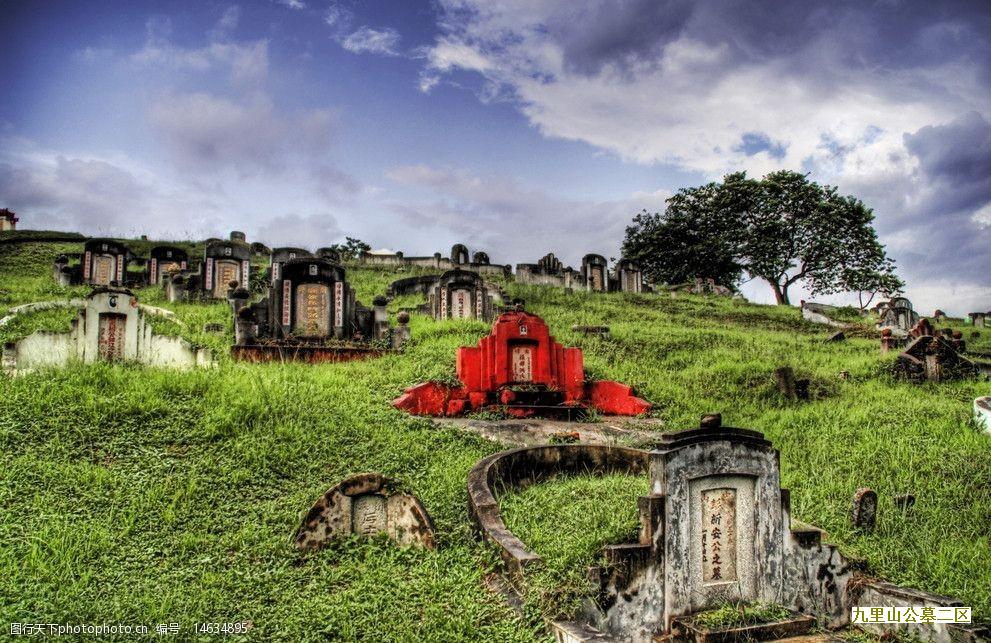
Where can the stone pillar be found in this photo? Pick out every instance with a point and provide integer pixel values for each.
(380, 317)
(401, 333)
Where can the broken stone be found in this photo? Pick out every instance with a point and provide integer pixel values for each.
(214, 327)
(932, 358)
(711, 420)
(366, 505)
(596, 331)
(838, 336)
(904, 501)
(864, 512)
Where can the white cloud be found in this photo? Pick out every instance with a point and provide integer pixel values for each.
(372, 41)
(514, 222)
(246, 62)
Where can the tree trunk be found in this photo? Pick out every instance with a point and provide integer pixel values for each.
(780, 294)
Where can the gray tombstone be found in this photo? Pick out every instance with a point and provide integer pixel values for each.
(863, 515)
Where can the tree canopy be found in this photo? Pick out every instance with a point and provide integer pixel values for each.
(783, 229)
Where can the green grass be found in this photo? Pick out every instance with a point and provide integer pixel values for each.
(741, 614)
(143, 495)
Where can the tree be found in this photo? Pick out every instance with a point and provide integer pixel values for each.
(676, 247)
(783, 229)
(351, 249)
(868, 282)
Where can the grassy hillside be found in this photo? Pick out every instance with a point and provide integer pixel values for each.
(144, 496)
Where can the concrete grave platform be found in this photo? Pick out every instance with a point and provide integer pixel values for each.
(525, 432)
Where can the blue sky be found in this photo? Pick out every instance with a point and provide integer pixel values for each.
(515, 126)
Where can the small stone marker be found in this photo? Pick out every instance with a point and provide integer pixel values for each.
(785, 378)
(864, 512)
(214, 327)
(711, 421)
(904, 501)
(366, 505)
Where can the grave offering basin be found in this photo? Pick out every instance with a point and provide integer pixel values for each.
(521, 370)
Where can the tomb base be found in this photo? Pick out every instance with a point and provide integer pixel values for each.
(258, 353)
(439, 400)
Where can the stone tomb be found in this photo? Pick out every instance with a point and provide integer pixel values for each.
(310, 315)
(549, 271)
(103, 262)
(978, 319)
(629, 277)
(110, 327)
(165, 260)
(224, 262)
(460, 294)
(366, 505)
(898, 315)
(520, 369)
(280, 256)
(595, 272)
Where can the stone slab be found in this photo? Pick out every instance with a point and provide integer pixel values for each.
(620, 431)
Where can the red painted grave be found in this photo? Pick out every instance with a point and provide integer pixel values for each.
(520, 367)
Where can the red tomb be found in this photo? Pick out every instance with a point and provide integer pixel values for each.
(519, 366)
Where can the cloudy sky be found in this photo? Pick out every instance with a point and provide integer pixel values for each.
(515, 126)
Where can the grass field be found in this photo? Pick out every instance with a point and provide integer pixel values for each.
(138, 495)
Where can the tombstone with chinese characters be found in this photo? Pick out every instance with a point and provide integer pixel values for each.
(520, 369)
(280, 256)
(165, 260)
(629, 277)
(224, 263)
(898, 315)
(460, 294)
(310, 315)
(367, 505)
(110, 327)
(716, 528)
(595, 271)
(103, 262)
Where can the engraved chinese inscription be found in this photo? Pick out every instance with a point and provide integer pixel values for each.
(522, 363)
(368, 515)
(718, 535)
(313, 310)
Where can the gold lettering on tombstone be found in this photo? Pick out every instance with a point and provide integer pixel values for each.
(103, 269)
(718, 537)
(312, 310)
(227, 271)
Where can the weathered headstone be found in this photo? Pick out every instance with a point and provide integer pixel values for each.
(864, 511)
(366, 505)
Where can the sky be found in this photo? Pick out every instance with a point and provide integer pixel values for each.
(518, 127)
